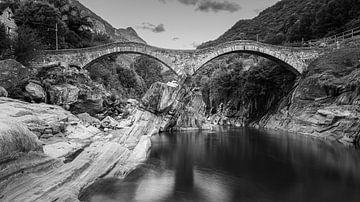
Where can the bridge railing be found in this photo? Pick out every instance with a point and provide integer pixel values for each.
(334, 40)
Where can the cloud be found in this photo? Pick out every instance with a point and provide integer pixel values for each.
(195, 44)
(175, 38)
(154, 28)
(189, 2)
(210, 5)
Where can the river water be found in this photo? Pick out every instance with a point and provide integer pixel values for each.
(237, 165)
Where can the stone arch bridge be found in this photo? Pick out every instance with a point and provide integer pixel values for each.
(184, 61)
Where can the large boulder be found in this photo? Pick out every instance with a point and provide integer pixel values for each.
(35, 91)
(15, 137)
(3, 92)
(88, 102)
(12, 74)
(159, 98)
(39, 118)
(192, 113)
(64, 94)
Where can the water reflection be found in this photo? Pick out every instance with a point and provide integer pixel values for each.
(238, 165)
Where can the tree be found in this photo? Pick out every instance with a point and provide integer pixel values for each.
(5, 42)
(149, 69)
(26, 45)
(42, 18)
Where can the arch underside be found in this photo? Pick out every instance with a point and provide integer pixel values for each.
(85, 66)
(267, 56)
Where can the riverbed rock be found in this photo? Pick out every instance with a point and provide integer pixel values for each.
(159, 98)
(37, 117)
(109, 122)
(64, 182)
(3, 92)
(12, 73)
(64, 94)
(80, 131)
(319, 117)
(75, 158)
(91, 98)
(35, 91)
(86, 119)
(15, 137)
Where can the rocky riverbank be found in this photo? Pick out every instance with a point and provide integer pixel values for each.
(49, 154)
(324, 103)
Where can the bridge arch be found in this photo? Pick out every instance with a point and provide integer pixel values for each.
(274, 59)
(185, 61)
(286, 56)
(87, 65)
(84, 57)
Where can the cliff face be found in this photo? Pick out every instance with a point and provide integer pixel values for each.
(326, 102)
(102, 26)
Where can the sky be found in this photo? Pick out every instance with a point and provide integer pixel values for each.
(177, 24)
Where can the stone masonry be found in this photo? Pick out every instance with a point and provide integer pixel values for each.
(184, 61)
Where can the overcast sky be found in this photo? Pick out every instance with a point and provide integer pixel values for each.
(177, 24)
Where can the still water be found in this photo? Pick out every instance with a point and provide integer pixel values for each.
(238, 165)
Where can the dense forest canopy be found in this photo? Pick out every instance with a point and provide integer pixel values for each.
(38, 24)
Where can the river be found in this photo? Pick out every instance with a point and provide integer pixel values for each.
(237, 165)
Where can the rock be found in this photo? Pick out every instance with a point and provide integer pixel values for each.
(61, 149)
(3, 92)
(63, 182)
(138, 156)
(321, 119)
(37, 117)
(12, 74)
(64, 94)
(16, 137)
(80, 131)
(192, 112)
(37, 177)
(88, 102)
(173, 84)
(35, 91)
(132, 102)
(141, 150)
(89, 120)
(159, 98)
(109, 122)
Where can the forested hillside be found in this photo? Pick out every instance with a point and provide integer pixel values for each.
(294, 20)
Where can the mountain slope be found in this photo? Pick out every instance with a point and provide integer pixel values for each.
(294, 20)
(102, 26)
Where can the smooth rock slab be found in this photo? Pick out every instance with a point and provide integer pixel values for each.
(61, 149)
(65, 182)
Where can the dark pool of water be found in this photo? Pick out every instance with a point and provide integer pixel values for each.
(237, 165)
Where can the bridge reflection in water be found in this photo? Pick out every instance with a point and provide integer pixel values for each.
(238, 165)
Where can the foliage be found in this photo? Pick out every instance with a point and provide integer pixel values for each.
(74, 30)
(26, 45)
(149, 69)
(42, 18)
(127, 77)
(232, 85)
(295, 20)
(117, 77)
(100, 38)
(5, 42)
(337, 71)
(37, 22)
